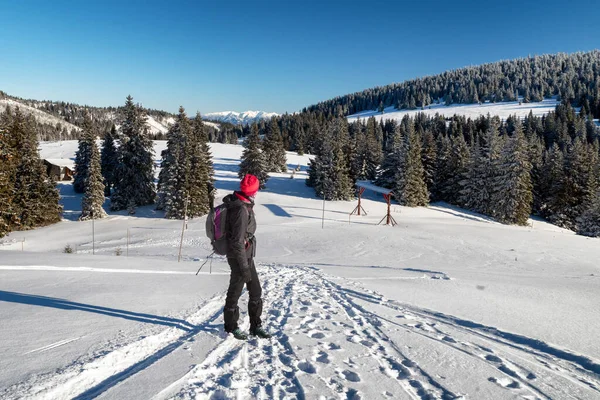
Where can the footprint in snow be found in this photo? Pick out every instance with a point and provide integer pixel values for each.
(333, 346)
(316, 334)
(322, 357)
(505, 382)
(307, 367)
(351, 376)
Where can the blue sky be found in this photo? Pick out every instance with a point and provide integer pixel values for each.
(269, 55)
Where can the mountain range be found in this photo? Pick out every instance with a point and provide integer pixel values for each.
(243, 118)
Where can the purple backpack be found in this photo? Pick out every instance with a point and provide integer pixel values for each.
(215, 229)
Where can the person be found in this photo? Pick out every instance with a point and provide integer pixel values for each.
(241, 249)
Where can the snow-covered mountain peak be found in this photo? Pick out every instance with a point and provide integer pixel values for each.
(244, 118)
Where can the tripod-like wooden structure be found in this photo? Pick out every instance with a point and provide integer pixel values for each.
(387, 195)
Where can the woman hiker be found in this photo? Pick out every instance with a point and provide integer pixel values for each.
(240, 228)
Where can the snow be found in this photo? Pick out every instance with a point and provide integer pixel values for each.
(244, 118)
(39, 115)
(62, 162)
(374, 188)
(473, 111)
(447, 304)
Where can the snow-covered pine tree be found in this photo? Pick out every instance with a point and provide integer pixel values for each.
(358, 163)
(253, 158)
(536, 155)
(589, 221)
(7, 177)
(328, 172)
(83, 154)
(109, 159)
(172, 185)
(429, 160)
(478, 182)
(393, 163)
(553, 184)
(443, 169)
(410, 189)
(201, 174)
(134, 183)
(372, 148)
(580, 181)
(273, 148)
(93, 199)
(35, 197)
(513, 196)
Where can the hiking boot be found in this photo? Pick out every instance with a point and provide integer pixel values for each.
(239, 334)
(260, 333)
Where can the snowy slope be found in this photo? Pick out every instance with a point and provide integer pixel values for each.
(502, 110)
(447, 304)
(244, 118)
(39, 115)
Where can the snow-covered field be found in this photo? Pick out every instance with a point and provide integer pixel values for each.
(447, 304)
(502, 110)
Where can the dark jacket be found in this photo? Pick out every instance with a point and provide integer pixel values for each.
(241, 226)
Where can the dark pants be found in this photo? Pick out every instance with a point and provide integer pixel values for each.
(231, 311)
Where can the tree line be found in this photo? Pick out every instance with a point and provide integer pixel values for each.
(505, 169)
(574, 78)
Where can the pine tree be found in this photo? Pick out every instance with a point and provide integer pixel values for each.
(93, 199)
(589, 221)
(410, 189)
(7, 178)
(553, 183)
(478, 189)
(253, 158)
(273, 148)
(35, 198)
(109, 159)
(372, 148)
(328, 172)
(134, 183)
(172, 184)
(429, 160)
(83, 154)
(513, 192)
(393, 163)
(201, 174)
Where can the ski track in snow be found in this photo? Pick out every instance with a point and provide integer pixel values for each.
(336, 338)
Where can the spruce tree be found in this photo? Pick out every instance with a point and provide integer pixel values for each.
(274, 149)
(328, 172)
(429, 160)
(478, 188)
(7, 178)
(83, 154)
(410, 189)
(553, 183)
(172, 184)
(253, 158)
(393, 163)
(513, 192)
(201, 174)
(372, 148)
(589, 221)
(109, 159)
(35, 198)
(134, 183)
(93, 199)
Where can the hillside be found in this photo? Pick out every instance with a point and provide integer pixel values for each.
(572, 77)
(447, 304)
(473, 111)
(51, 114)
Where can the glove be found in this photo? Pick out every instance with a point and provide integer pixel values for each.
(246, 275)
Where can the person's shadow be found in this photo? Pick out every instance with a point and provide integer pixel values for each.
(42, 301)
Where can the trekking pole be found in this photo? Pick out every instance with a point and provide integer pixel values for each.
(204, 263)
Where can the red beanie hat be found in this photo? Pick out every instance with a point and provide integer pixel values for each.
(249, 185)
